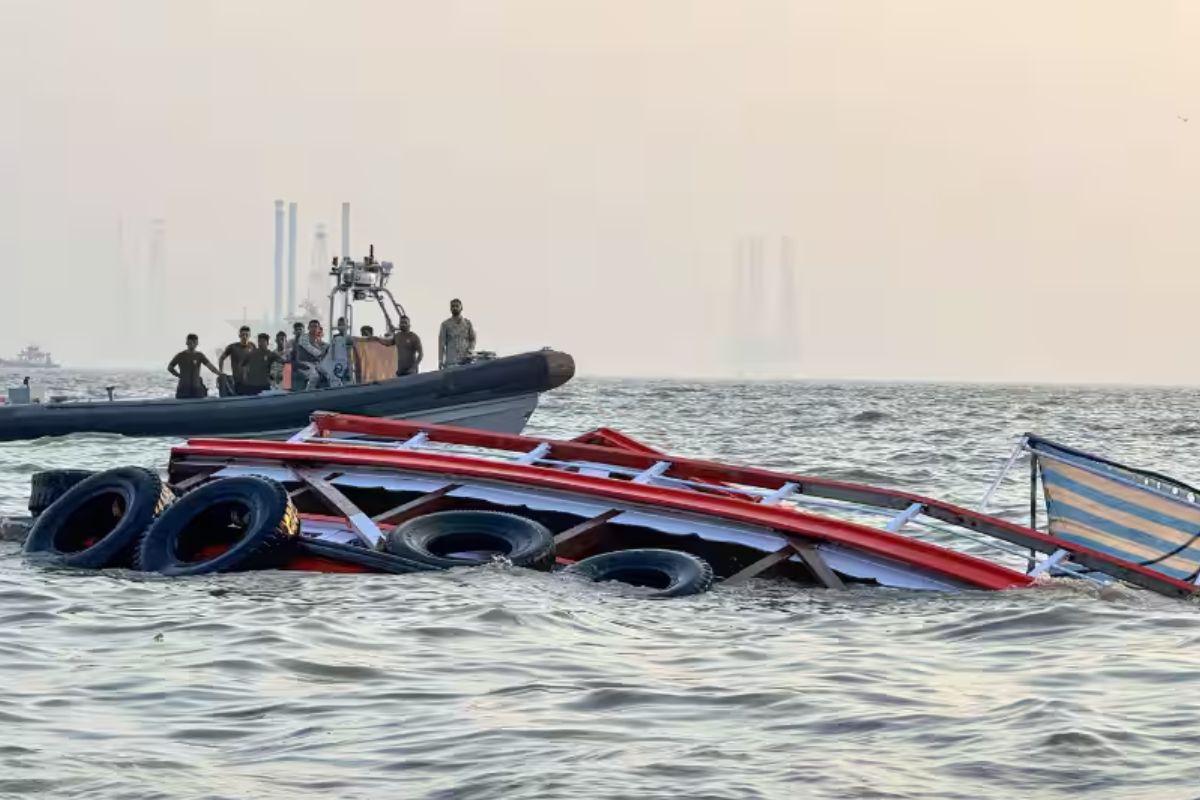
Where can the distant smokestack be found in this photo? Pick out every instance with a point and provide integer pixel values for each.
(278, 260)
(291, 265)
(345, 230)
(156, 281)
(755, 309)
(316, 288)
(123, 287)
(737, 317)
(789, 324)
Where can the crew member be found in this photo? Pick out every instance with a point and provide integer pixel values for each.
(310, 350)
(336, 364)
(257, 377)
(456, 338)
(186, 367)
(237, 353)
(284, 353)
(296, 378)
(408, 349)
(297, 335)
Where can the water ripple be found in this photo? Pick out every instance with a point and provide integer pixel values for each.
(500, 683)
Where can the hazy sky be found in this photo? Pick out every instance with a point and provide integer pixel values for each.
(977, 190)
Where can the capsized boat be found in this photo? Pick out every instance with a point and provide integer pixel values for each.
(358, 481)
(496, 395)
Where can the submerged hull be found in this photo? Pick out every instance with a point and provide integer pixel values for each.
(497, 395)
(595, 498)
(350, 493)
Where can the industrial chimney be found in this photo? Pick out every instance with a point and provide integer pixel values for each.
(291, 265)
(278, 260)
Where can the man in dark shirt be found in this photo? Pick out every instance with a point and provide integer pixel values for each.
(186, 367)
(408, 349)
(294, 378)
(238, 353)
(257, 374)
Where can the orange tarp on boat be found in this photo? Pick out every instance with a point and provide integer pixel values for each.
(376, 361)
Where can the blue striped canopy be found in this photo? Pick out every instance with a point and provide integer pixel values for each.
(1136, 516)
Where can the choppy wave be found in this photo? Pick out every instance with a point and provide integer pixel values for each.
(498, 682)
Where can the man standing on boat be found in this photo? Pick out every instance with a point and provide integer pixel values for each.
(186, 367)
(257, 378)
(335, 366)
(408, 349)
(295, 379)
(456, 339)
(310, 350)
(238, 353)
(284, 352)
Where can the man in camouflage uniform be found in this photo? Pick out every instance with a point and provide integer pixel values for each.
(456, 339)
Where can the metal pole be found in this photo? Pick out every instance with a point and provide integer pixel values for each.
(1012, 459)
(278, 260)
(1033, 477)
(291, 265)
(345, 230)
(1032, 508)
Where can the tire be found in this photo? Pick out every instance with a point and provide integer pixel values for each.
(669, 573)
(373, 560)
(98, 522)
(441, 539)
(226, 525)
(46, 487)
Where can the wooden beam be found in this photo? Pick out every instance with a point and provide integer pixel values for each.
(364, 527)
(814, 562)
(585, 526)
(760, 566)
(579, 540)
(305, 488)
(405, 510)
(188, 483)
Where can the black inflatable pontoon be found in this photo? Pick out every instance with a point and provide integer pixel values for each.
(497, 395)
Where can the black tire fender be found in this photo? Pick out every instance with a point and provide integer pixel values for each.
(47, 486)
(433, 539)
(98, 522)
(362, 556)
(247, 520)
(669, 573)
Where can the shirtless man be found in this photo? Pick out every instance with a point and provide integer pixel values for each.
(186, 367)
(238, 353)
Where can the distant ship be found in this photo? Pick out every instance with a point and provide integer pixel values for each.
(31, 357)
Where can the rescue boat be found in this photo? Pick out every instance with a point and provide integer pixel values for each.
(360, 494)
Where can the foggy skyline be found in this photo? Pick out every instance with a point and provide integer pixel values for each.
(973, 191)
